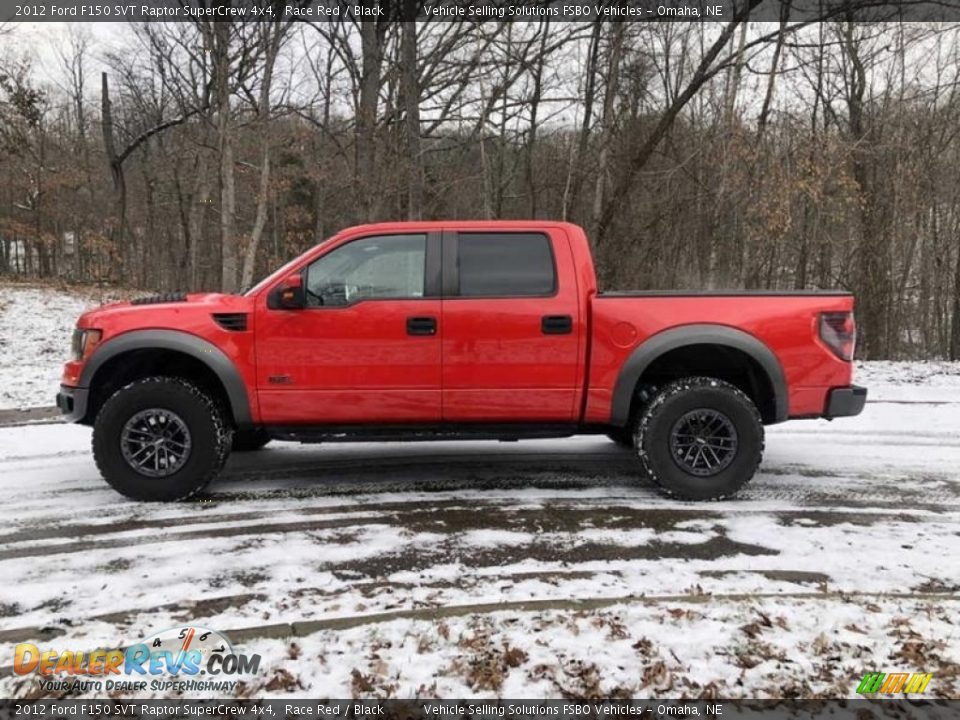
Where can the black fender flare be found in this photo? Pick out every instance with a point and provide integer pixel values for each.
(702, 334)
(203, 350)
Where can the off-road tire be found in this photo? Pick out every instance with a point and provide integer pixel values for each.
(622, 437)
(655, 424)
(210, 438)
(249, 440)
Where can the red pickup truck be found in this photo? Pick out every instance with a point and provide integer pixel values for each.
(436, 330)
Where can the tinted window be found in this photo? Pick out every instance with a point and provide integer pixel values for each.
(385, 266)
(505, 264)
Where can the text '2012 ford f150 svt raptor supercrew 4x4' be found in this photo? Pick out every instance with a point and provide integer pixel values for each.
(437, 330)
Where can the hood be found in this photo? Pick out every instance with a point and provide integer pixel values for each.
(158, 310)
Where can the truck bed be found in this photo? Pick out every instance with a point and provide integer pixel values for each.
(783, 322)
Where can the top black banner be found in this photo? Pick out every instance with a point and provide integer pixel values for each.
(477, 10)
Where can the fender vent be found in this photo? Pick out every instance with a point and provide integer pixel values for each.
(235, 322)
(171, 297)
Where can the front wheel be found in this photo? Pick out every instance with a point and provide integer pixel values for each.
(700, 439)
(160, 438)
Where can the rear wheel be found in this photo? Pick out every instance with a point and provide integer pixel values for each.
(160, 438)
(700, 439)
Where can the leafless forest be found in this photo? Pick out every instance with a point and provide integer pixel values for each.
(200, 155)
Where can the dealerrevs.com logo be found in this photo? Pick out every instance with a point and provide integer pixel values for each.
(178, 659)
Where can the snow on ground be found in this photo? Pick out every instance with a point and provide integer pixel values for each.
(36, 323)
(523, 570)
(747, 648)
(910, 382)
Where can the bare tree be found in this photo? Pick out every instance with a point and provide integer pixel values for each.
(272, 37)
(410, 88)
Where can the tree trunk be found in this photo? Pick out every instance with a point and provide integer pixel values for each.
(116, 169)
(872, 270)
(229, 257)
(273, 39)
(534, 120)
(607, 122)
(371, 37)
(575, 175)
(410, 84)
(199, 202)
(955, 317)
(774, 69)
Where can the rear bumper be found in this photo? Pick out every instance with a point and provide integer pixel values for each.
(845, 401)
(72, 402)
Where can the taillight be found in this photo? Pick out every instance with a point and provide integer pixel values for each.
(839, 331)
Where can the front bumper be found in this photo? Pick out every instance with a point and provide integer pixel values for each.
(72, 402)
(845, 401)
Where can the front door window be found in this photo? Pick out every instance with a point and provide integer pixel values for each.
(384, 267)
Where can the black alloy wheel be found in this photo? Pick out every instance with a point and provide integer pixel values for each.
(155, 442)
(703, 442)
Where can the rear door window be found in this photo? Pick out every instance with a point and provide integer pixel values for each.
(505, 265)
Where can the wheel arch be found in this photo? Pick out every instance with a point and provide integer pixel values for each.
(141, 343)
(761, 361)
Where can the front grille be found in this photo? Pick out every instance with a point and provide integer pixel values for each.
(234, 322)
(171, 297)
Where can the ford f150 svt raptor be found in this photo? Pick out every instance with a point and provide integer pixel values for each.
(434, 330)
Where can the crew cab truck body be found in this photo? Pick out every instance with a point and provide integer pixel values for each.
(454, 330)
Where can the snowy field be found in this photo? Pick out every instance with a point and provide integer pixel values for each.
(521, 570)
(35, 328)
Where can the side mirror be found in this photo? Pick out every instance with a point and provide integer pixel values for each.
(289, 295)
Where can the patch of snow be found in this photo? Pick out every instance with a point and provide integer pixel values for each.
(36, 324)
(893, 381)
(806, 647)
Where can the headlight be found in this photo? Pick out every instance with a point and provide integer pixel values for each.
(84, 342)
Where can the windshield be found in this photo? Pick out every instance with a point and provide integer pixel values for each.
(277, 274)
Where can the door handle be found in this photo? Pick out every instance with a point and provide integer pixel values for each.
(421, 326)
(556, 324)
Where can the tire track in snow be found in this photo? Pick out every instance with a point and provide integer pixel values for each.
(440, 517)
(184, 536)
(35, 530)
(359, 515)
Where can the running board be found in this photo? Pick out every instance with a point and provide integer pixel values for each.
(426, 433)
